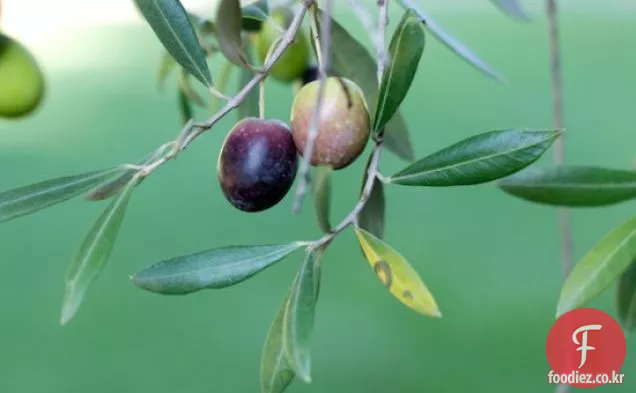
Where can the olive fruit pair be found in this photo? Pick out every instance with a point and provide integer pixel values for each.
(258, 161)
(21, 81)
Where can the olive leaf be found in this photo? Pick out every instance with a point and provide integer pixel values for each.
(166, 66)
(171, 24)
(512, 8)
(321, 195)
(351, 60)
(626, 297)
(185, 107)
(405, 51)
(249, 106)
(600, 267)
(397, 275)
(299, 316)
(113, 186)
(397, 138)
(187, 89)
(228, 31)
(93, 253)
(211, 269)
(275, 373)
(450, 41)
(575, 186)
(254, 15)
(32, 198)
(372, 216)
(478, 159)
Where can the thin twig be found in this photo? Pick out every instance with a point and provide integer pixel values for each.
(557, 113)
(261, 100)
(382, 54)
(351, 218)
(559, 152)
(324, 42)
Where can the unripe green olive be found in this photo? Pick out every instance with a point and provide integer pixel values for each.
(344, 126)
(21, 81)
(291, 65)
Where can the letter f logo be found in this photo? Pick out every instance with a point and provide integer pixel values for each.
(584, 347)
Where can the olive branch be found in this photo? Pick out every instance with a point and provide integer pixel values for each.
(385, 80)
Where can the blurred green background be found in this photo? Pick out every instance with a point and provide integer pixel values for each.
(493, 262)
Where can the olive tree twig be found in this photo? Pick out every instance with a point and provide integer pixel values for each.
(323, 43)
(351, 218)
(383, 56)
(557, 114)
(192, 130)
(559, 151)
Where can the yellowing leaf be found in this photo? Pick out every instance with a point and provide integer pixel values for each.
(397, 275)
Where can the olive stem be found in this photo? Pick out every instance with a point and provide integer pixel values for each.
(192, 130)
(352, 217)
(382, 54)
(315, 34)
(261, 100)
(324, 40)
(559, 151)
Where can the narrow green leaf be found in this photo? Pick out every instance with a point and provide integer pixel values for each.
(321, 194)
(228, 31)
(249, 106)
(185, 107)
(276, 373)
(451, 42)
(112, 187)
(187, 89)
(600, 267)
(351, 60)
(397, 275)
(170, 22)
(405, 51)
(626, 298)
(512, 8)
(93, 253)
(300, 312)
(372, 215)
(575, 186)
(211, 269)
(166, 66)
(478, 159)
(29, 199)
(254, 15)
(397, 139)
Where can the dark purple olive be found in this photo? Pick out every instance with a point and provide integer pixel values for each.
(257, 164)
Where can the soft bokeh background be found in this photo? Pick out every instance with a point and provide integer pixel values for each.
(491, 260)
